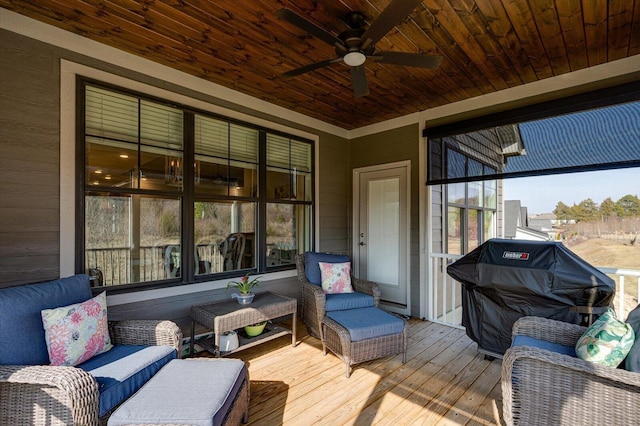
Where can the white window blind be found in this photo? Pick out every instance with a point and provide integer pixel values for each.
(244, 143)
(288, 154)
(217, 138)
(211, 137)
(115, 116)
(161, 125)
(111, 115)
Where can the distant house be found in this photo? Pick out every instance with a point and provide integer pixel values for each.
(517, 224)
(543, 222)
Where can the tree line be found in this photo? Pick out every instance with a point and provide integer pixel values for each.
(589, 211)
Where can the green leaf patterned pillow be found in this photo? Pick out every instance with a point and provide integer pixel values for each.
(607, 341)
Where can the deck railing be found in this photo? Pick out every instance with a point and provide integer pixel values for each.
(445, 294)
(117, 266)
(122, 265)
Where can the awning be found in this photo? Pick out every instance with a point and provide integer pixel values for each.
(595, 132)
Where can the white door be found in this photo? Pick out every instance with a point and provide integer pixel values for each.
(381, 231)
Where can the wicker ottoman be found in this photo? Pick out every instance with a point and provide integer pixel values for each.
(197, 392)
(359, 335)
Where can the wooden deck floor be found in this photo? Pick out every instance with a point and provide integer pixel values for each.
(444, 381)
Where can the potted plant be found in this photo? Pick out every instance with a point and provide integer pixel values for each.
(245, 285)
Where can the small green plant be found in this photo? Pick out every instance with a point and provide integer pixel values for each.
(245, 284)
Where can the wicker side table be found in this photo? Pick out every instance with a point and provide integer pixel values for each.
(229, 315)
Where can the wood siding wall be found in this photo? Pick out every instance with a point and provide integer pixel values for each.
(30, 177)
(334, 182)
(387, 147)
(29, 161)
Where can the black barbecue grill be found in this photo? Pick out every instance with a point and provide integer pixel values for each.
(503, 280)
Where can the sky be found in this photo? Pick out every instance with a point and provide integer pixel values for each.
(541, 194)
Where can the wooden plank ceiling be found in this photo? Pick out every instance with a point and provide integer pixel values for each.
(487, 45)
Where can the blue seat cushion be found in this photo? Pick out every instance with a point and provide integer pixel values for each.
(22, 339)
(367, 323)
(193, 392)
(312, 267)
(344, 301)
(543, 344)
(121, 371)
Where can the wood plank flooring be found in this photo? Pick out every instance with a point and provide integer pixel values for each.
(445, 381)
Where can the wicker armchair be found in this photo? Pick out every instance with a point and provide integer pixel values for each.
(541, 387)
(314, 300)
(48, 395)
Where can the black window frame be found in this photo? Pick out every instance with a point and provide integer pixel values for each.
(188, 195)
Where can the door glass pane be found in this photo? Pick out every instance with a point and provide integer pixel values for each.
(456, 193)
(475, 193)
(490, 194)
(161, 169)
(224, 236)
(132, 238)
(111, 163)
(489, 225)
(288, 232)
(472, 230)
(383, 230)
(454, 236)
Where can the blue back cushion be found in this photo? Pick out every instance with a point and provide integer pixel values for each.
(22, 338)
(312, 269)
(519, 340)
(344, 301)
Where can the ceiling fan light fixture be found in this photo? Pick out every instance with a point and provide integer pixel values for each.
(354, 59)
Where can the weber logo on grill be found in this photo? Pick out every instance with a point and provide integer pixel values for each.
(515, 255)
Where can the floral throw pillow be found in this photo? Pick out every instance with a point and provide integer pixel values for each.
(77, 332)
(336, 277)
(607, 341)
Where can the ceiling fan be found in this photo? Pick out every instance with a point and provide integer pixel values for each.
(357, 44)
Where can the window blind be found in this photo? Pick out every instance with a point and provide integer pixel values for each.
(217, 138)
(111, 115)
(288, 154)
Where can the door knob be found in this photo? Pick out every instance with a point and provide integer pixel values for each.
(362, 243)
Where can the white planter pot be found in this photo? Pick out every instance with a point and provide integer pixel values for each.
(243, 299)
(229, 341)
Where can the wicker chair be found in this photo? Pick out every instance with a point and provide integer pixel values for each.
(540, 387)
(53, 395)
(314, 300)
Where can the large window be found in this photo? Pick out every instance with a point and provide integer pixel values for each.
(471, 206)
(176, 195)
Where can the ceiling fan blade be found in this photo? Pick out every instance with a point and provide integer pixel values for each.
(293, 18)
(359, 81)
(408, 59)
(392, 15)
(310, 67)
